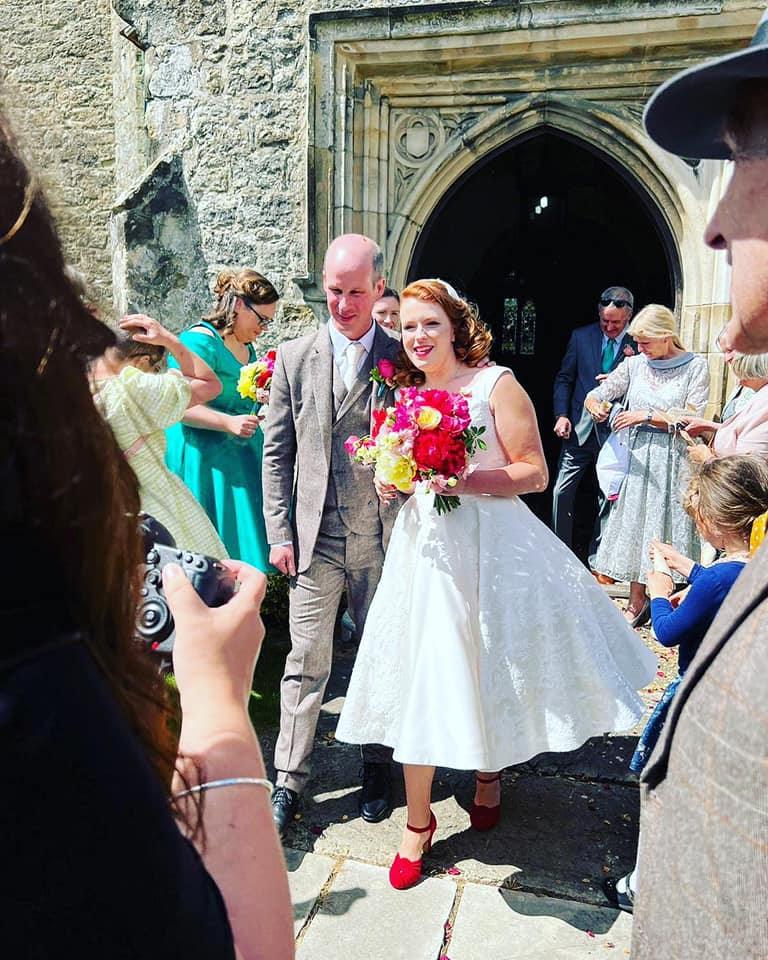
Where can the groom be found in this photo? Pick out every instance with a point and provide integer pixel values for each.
(325, 525)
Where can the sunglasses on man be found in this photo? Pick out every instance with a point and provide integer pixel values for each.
(264, 321)
(617, 302)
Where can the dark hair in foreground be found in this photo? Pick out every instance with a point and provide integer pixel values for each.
(473, 339)
(69, 501)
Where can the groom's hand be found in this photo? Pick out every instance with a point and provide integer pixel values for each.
(282, 557)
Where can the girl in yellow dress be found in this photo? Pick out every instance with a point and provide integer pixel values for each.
(139, 400)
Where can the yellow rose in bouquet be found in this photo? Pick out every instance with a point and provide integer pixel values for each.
(428, 418)
(396, 469)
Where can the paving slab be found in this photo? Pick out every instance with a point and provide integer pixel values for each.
(493, 924)
(361, 915)
(307, 875)
(558, 835)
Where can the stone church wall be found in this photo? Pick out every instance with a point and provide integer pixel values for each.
(56, 85)
(225, 87)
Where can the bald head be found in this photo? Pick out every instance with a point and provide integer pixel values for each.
(353, 282)
(354, 248)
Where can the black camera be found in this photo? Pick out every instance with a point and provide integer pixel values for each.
(214, 582)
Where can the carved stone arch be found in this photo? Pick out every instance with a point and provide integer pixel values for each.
(613, 136)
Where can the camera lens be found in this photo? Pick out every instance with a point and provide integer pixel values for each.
(154, 621)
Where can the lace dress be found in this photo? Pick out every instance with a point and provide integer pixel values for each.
(487, 641)
(650, 504)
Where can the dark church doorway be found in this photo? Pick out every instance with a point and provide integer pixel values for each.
(533, 234)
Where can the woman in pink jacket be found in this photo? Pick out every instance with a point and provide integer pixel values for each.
(747, 430)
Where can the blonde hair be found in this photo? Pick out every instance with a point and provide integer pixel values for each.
(729, 493)
(655, 322)
(750, 366)
(472, 338)
(230, 284)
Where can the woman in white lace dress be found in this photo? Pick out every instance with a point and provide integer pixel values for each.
(664, 377)
(487, 641)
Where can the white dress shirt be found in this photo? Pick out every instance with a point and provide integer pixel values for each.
(339, 343)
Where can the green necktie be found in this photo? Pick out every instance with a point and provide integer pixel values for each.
(608, 355)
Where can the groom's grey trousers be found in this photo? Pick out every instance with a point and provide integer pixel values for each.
(352, 563)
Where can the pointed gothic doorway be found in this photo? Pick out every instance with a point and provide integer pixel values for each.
(533, 234)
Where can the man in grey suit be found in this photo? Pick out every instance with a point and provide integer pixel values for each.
(703, 859)
(326, 526)
(593, 351)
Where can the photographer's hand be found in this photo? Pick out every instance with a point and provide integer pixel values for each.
(216, 648)
(214, 655)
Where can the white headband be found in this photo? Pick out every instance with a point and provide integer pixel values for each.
(444, 284)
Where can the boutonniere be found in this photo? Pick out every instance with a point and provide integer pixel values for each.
(383, 374)
(628, 352)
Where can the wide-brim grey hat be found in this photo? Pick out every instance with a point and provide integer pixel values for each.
(687, 114)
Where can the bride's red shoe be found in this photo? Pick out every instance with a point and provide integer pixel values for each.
(485, 818)
(405, 873)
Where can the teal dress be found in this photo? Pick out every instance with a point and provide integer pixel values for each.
(223, 471)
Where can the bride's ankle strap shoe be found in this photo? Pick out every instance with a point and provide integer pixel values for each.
(485, 818)
(405, 873)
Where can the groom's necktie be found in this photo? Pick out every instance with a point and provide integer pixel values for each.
(609, 352)
(352, 353)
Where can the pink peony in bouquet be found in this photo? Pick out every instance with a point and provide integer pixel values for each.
(256, 378)
(426, 437)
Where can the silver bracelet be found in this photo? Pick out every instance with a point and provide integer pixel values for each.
(229, 782)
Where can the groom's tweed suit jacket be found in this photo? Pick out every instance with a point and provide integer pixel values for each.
(301, 444)
(703, 860)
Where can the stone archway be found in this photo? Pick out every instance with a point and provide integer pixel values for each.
(615, 137)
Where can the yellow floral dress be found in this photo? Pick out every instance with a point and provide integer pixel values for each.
(138, 407)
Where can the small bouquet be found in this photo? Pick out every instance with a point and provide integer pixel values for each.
(256, 379)
(427, 436)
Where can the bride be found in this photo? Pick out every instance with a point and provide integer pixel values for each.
(487, 641)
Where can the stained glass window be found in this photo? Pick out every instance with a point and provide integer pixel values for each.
(519, 328)
(509, 332)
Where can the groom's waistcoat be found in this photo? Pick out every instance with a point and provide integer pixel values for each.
(351, 503)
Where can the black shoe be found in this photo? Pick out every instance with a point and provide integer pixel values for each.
(285, 805)
(622, 901)
(375, 800)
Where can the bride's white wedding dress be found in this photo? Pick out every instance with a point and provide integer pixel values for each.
(487, 641)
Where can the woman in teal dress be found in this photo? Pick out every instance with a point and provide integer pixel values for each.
(217, 448)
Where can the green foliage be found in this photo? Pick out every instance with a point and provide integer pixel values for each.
(274, 609)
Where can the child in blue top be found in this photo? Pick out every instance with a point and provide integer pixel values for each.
(724, 497)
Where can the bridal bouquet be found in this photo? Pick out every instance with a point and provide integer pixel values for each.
(426, 437)
(256, 378)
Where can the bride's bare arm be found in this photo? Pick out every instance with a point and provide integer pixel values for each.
(519, 435)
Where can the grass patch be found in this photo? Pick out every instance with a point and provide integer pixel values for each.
(264, 705)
